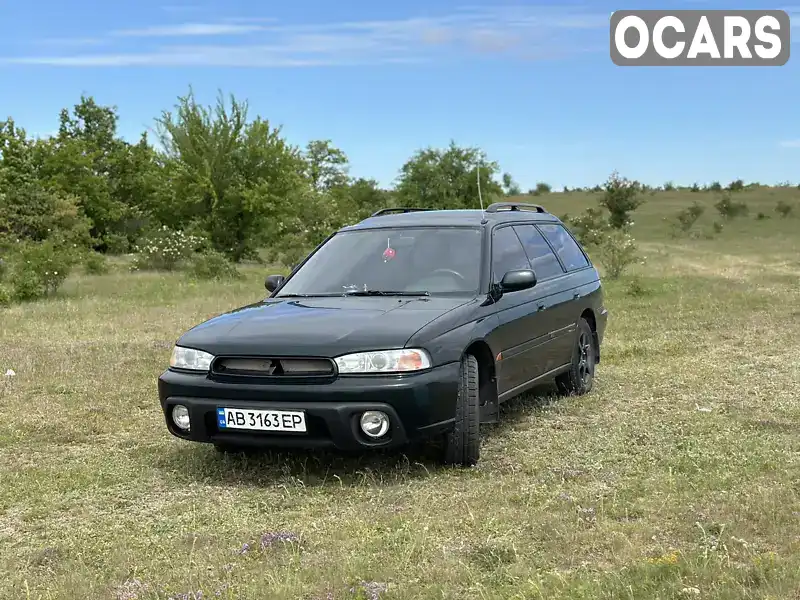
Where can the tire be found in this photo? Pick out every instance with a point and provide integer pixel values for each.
(580, 377)
(462, 445)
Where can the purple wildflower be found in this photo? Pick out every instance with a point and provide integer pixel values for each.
(198, 595)
(245, 547)
(270, 538)
(372, 588)
(130, 590)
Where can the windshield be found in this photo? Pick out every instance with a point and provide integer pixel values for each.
(403, 260)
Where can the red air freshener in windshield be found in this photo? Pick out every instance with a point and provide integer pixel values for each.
(389, 253)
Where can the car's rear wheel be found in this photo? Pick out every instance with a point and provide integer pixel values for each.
(580, 377)
(462, 444)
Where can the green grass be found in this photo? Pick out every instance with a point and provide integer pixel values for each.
(678, 472)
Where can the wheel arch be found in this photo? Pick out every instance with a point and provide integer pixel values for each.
(487, 370)
(588, 314)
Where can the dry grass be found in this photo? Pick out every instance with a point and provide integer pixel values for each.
(677, 477)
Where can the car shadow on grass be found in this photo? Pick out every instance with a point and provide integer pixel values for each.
(536, 400)
(300, 466)
(266, 467)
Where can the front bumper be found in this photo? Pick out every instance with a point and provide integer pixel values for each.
(418, 405)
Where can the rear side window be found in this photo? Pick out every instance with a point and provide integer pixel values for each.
(565, 246)
(507, 253)
(543, 261)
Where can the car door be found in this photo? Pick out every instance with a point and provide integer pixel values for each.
(521, 330)
(565, 303)
(551, 299)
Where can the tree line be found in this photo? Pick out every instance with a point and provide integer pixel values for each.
(209, 171)
(213, 187)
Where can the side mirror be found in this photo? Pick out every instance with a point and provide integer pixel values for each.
(273, 282)
(514, 281)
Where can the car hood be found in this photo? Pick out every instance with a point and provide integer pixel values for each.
(317, 326)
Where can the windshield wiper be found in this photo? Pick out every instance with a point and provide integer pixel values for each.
(385, 293)
(306, 295)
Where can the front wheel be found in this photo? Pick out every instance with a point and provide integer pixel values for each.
(580, 377)
(462, 445)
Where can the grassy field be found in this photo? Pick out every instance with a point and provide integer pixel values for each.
(678, 477)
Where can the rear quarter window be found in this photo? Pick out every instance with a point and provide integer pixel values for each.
(565, 246)
(543, 261)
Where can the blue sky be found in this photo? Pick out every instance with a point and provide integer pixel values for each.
(529, 82)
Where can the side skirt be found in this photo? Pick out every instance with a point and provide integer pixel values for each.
(522, 388)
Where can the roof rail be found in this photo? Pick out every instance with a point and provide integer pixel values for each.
(498, 206)
(398, 209)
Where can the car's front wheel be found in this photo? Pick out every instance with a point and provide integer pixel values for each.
(580, 377)
(462, 445)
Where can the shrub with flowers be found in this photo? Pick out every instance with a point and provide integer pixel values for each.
(166, 250)
(36, 270)
(617, 252)
(605, 231)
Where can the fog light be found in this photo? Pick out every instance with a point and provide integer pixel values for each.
(374, 423)
(180, 416)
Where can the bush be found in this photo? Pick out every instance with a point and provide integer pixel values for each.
(729, 209)
(636, 288)
(689, 216)
(617, 252)
(38, 270)
(784, 209)
(761, 216)
(35, 214)
(213, 265)
(95, 264)
(541, 188)
(116, 243)
(717, 227)
(736, 185)
(590, 227)
(166, 250)
(621, 197)
(5, 295)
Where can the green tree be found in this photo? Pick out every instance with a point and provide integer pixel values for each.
(327, 166)
(116, 183)
(510, 186)
(29, 211)
(236, 180)
(447, 178)
(621, 197)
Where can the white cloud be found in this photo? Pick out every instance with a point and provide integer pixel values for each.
(790, 143)
(532, 32)
(189, 29)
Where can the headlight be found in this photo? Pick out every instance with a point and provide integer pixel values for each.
(190, 359)
(384, 361)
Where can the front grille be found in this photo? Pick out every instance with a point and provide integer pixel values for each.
(259, 366)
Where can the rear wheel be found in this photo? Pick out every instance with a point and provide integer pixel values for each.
(462, 444)
(580, 377)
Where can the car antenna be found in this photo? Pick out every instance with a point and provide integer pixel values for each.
(480, 198)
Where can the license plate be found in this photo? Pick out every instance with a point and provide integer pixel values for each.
(262, 420)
